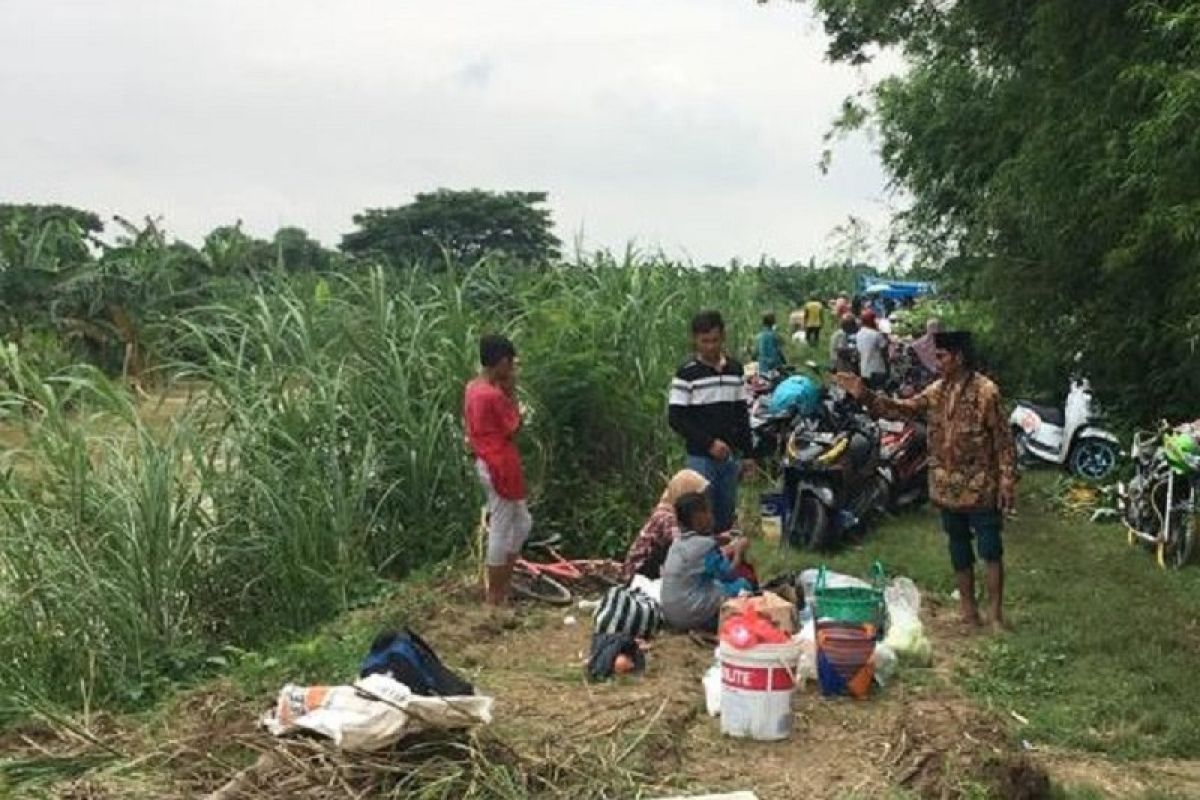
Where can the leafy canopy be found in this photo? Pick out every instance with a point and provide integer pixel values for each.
(1052, 153)
(461, 226)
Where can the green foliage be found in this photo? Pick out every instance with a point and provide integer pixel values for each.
(322, 454)
(1049, 148)
(229, 250)
(457, 226)
(794, 285)
(295, 250)
(24, 222)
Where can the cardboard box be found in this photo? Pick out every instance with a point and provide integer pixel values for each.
(768, 604)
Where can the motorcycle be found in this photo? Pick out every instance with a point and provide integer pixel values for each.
(768, 426)
(904, 449)
(833, 472)
(1069, 436)
(1160, 504)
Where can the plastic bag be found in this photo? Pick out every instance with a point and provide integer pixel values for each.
(905, 633)
(885, 662)
(651, 587)
(712, 690)
(798, 394)
(749, 628)
(833, 580)
(373, 713)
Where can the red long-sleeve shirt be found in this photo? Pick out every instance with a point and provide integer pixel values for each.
(491, 419)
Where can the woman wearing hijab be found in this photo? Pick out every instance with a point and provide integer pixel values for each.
(649, 550)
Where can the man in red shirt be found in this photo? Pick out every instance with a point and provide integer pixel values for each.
(491, 419)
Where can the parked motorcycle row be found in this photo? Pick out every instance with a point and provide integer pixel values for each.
(839, 469)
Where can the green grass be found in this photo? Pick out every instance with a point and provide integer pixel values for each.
(1105, 644)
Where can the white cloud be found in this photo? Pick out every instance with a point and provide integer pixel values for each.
(691, 124)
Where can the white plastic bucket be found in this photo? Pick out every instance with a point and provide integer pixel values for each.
(756, 690)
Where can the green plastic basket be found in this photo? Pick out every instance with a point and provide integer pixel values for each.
(854, 605)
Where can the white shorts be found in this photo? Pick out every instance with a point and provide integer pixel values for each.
(509, 522)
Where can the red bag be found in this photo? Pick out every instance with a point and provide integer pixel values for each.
(749, 628)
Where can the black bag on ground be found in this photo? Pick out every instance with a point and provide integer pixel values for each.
(408, 659)
(605, 649)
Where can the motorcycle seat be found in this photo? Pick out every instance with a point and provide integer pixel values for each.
(1049, 414)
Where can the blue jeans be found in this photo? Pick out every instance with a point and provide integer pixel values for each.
(722, 487)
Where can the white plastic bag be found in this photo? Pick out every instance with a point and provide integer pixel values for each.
(833, 580)
(905, 633)
(712, 690)
(885, 663)
(652, 588)
(373, 713)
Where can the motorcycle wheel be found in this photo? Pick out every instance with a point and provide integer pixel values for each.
(810, 526)
(1093, 459)
(1021, 445)
(1178, 552)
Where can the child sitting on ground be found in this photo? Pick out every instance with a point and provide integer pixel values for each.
(697, 577)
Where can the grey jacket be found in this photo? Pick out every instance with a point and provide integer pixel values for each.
(690, 598)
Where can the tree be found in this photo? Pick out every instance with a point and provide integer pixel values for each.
(1051, 152)
(46, 233)
(296, 251)
(462, 226)
(232, 251)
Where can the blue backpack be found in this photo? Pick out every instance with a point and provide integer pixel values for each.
(406, 658)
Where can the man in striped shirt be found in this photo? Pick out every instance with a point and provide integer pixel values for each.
(707, 407)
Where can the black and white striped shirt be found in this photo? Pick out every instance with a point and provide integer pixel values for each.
(706, 404)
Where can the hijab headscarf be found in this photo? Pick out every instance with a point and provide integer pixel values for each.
(686, 481)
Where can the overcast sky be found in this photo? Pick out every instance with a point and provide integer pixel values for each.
(692, 125)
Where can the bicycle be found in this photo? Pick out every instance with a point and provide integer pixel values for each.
(550, 581)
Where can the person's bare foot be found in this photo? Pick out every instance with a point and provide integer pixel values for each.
(999, 626)
(969, 621)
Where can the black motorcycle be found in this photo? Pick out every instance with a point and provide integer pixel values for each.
(833, 472)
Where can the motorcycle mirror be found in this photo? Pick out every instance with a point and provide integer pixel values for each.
(814, 366)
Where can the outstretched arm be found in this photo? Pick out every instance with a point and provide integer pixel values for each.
(887, 407)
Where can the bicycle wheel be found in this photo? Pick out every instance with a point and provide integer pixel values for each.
(537, 586)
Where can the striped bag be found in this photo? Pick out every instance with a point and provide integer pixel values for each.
(627, 611)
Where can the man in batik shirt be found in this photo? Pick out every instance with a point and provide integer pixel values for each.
(972, 463)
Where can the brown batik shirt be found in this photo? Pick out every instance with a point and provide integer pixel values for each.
(971, 454)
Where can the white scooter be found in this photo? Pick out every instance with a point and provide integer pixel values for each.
(1068, 437)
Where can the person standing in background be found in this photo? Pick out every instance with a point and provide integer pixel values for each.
(707, 407)
(796, 320)
(768, 347)
(814, 319)
(872, 352)
(491, 419)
